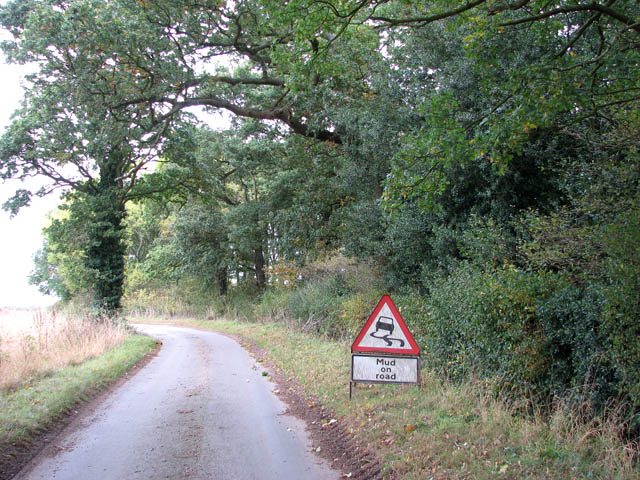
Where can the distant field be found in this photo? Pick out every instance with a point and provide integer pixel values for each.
(16, 321)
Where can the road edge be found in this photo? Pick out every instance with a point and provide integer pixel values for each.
(17, 456)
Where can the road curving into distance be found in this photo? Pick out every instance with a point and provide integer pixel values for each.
(201, 409)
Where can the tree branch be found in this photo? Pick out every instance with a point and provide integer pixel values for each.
(282, 114)
(592, 7)
(248, 81)
(429, 19)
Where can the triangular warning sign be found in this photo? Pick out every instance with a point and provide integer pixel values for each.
(386, 332)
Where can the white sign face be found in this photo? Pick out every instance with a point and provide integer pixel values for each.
(385, 369)
(385, 333)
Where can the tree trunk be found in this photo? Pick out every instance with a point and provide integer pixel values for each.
(223, 281)
(258, 262)
(105, 231)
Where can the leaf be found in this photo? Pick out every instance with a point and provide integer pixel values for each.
(410, 428)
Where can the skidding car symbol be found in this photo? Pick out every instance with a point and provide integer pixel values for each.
(386, 324)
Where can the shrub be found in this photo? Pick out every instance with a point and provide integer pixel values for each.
(577, 346)
(334, 299)
(315, 306)
(353, 314)
(273, 304)
(623, 307)
(523, 332)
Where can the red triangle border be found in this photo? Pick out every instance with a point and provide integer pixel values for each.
(386, 299)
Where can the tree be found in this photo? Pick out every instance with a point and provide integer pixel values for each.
(72, 128)
(504, 73)
(407, 93)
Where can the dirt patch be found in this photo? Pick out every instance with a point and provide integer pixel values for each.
(332, 438)
(15, 456)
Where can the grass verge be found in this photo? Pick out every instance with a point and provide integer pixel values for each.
(440, 430)
(33, 407)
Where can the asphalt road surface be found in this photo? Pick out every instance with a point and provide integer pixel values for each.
(201, 409)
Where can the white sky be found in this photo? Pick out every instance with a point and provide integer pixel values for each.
(21, 236)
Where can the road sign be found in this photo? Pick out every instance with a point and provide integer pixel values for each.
(385, 332)
(384, 368)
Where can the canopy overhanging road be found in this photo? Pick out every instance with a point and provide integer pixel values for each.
(201, 409)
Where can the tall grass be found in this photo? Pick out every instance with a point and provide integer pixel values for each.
(52, 341)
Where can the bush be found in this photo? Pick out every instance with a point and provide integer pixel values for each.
(316, 306)
(274, 304)
(188, 296)
(524, 333)
(577, 346)
(623, 294)
(334, 299)
(354, 312)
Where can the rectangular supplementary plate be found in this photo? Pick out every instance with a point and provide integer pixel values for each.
(384, 369)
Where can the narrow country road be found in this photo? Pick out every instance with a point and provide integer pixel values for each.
(201, 409)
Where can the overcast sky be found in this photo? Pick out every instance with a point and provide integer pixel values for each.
(21, 236)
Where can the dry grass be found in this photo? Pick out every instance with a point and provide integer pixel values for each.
(48, 341)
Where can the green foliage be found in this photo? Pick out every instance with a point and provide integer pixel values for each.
(104, 214)
(561, 242)
(274, 304)
(200, 245)
(621, 313)
(316, 306)
(46, 277)
(581, 367)
(526, 333)
(60, 265)
(334, 298)
(485, 242)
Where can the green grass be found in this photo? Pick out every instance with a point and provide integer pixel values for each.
(440, 430)
(33, 406)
